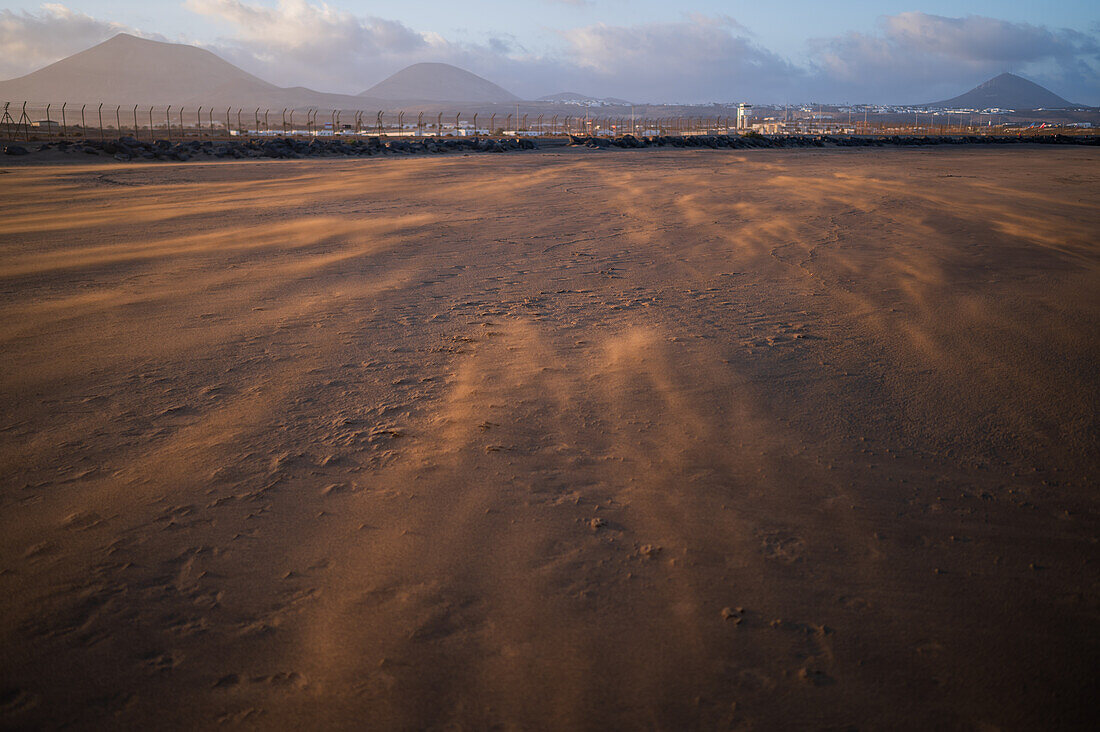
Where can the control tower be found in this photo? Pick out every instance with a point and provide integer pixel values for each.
(744, 111)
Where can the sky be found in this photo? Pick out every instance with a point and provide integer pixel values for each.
(696, 51)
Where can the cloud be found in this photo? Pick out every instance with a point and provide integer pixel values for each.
(910, 57)
(920, 57)
(981, 40)
(314, 44)
(34, 39)
(298, 42)
(699, 59)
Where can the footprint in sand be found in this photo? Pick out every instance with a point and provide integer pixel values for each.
(781, 546)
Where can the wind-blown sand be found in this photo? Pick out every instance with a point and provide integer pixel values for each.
(642, 440)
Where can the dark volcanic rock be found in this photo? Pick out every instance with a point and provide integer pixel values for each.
(130, 148)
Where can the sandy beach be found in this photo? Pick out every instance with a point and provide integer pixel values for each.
(575, 439)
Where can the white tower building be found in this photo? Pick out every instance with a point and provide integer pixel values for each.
(744, 111)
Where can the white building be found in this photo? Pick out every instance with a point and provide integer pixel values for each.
(744, 111)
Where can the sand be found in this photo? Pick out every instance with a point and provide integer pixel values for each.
(574, 440)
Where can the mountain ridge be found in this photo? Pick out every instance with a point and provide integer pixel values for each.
(437, 82)
(576, 98)
(1006, 91)
(126, 69)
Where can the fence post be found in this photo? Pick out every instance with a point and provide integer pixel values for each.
(198, 121)
(457, 118)
(267, 127)
(228, 126)
(49, 124)
(475, 124)
(168, 122)
(439, 125)
(183, 129)
(64, 131)
(136, 135)
(83, 127)
(240, 126)
(152, 133)
(210, 120)
(493, 124)
(24, 122)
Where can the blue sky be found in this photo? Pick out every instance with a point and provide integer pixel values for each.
(697, 51)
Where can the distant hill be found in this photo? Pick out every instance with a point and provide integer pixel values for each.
(429, 82)
(574, 98)
(1006, 91)
(130, 70)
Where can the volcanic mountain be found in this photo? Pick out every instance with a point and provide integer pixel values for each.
(1006, 91)
(431, 82)
(127, 69)
(130, 70)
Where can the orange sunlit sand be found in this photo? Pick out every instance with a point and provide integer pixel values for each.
(656, 439)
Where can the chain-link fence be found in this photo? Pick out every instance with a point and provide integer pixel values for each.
(50, 121)
(31, 121)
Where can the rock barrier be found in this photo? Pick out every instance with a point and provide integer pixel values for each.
(129, 148)
(749, 141)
